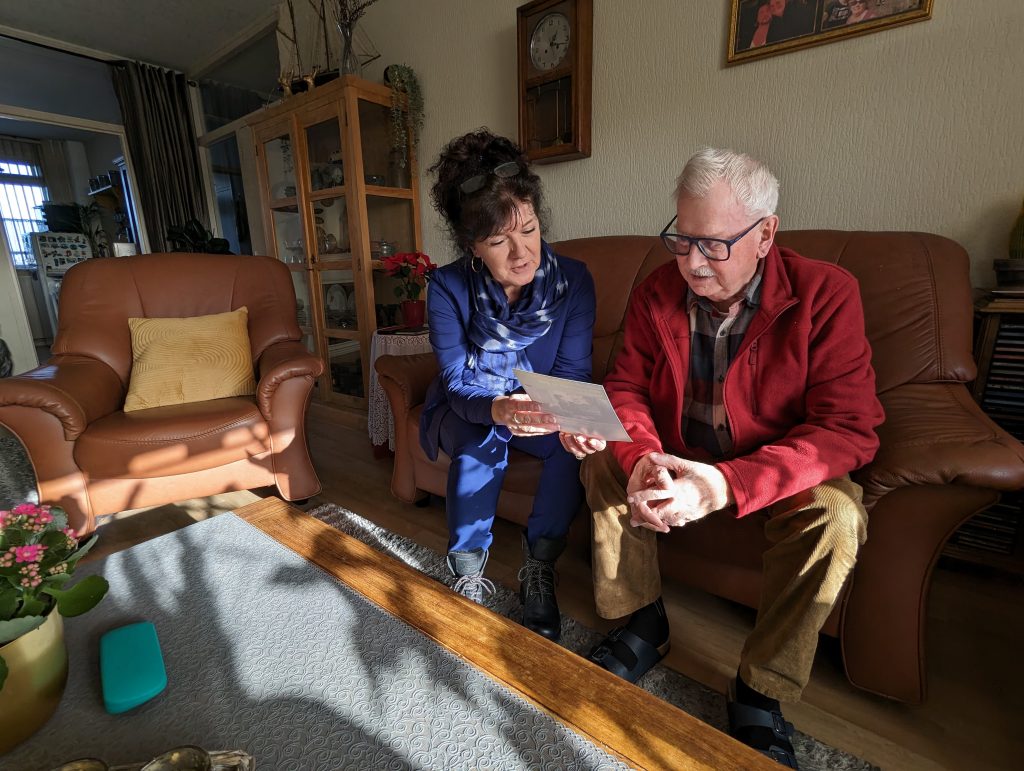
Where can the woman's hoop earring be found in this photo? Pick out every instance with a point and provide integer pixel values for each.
(476, 263)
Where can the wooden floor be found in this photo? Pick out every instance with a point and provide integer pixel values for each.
(975, 627)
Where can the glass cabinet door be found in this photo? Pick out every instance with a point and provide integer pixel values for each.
(383, 165)
(389, 207)
(288, 238)
(323, 148)
(280, 168)
(331, 225)
(341, 303)
(345, 367)
(303, 306)
(392, 225)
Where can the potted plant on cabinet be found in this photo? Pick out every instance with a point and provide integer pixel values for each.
(38, 555)
(413, 270)
(406, 113)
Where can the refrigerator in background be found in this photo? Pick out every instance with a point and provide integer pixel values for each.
(55, 253)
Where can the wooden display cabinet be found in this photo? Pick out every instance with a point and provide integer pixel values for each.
(331, 191)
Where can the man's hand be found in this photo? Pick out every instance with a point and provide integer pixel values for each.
(580, 445)
(665, 491)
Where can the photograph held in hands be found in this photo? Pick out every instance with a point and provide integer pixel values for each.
(581, 408)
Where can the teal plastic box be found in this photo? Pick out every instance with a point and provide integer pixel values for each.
(131, 667)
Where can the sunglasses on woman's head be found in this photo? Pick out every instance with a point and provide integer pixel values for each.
(477, 181)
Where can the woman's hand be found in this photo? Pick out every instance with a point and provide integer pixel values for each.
(522, 416)
(581, 446)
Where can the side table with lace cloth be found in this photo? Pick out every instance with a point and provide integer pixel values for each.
(395, 342)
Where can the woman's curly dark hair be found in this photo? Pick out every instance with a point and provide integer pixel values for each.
(482, 213)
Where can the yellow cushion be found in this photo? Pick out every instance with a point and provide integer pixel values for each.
(176, 361)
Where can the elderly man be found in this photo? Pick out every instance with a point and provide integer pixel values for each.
(745, 382)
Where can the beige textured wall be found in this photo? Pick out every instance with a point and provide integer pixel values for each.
(918, 127)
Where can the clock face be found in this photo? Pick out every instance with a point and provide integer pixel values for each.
(549, 43)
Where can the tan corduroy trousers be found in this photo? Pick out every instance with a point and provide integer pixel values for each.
(814, 539)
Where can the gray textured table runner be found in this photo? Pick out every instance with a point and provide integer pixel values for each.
(267, 653)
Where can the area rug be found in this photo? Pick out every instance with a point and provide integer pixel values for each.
(17, 480)
(670, 686)
(268, 654)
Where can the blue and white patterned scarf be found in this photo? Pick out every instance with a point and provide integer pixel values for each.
(498, 332)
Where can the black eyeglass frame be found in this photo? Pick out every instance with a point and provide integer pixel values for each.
(671, 240)
(503, 170)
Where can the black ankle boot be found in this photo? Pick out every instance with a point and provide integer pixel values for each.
(468, 569)
(537, 586)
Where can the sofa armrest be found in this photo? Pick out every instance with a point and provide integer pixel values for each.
(934, 433)
(280, 362)
(406, 379)
(74, 389)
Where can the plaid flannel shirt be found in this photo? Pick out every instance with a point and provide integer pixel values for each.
(715, 338)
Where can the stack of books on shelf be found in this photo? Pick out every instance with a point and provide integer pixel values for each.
(1003, 398)
(995, 530)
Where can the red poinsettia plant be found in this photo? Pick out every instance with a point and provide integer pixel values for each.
(413, 270)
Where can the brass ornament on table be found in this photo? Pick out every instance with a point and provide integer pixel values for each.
(181, 758)
(83, 764)
(187, 758)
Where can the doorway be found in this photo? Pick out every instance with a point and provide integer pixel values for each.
(72, 184)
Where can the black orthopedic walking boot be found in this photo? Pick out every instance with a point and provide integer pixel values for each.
(468, 569)
(537, 586)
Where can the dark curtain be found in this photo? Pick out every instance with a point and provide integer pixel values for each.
(158, 126)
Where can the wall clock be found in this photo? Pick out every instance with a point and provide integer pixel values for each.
(555, 40)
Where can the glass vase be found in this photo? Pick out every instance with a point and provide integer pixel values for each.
(348, 63)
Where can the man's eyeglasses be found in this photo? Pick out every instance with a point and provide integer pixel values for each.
(477, 181)
(717, 249)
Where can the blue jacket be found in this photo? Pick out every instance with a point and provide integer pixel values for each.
(565, 351)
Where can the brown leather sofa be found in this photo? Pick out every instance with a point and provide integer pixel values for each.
(92, 458)
(941, 459)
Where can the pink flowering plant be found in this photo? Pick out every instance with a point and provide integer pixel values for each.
(413, 270)
(38, 554)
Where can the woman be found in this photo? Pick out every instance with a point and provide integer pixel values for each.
(508, 303)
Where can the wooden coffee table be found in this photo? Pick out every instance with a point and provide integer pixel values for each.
(628, 722)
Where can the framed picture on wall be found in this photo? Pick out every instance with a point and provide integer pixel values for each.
(759, 28)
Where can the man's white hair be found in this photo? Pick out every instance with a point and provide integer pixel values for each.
(750, 180)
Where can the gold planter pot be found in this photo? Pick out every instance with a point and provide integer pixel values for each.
(38, 670)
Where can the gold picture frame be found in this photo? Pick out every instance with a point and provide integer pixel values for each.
(759, 28)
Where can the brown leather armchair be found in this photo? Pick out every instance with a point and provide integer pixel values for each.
(941, 459)
(92, 458)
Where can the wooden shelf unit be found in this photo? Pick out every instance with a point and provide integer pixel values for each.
(329, 188)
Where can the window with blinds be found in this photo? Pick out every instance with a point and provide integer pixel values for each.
(22, 190)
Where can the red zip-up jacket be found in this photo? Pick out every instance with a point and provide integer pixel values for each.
(799, 395)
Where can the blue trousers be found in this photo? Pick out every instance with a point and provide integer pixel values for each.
(479, 462)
